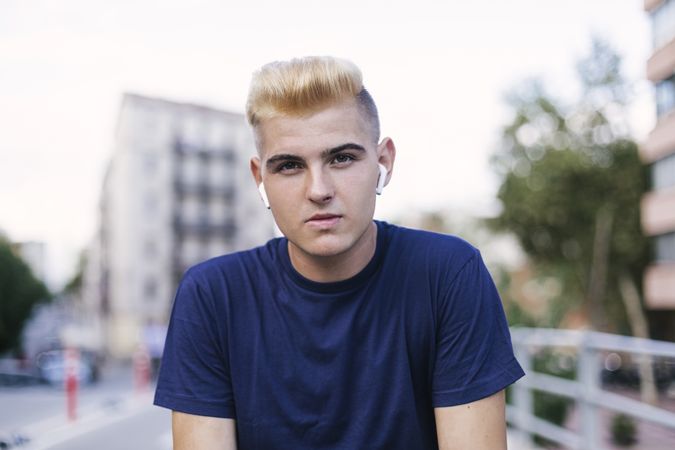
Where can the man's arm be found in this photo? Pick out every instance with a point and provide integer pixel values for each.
(480, 425)
(191, 432)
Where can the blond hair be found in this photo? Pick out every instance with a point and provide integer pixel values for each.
(304, 85)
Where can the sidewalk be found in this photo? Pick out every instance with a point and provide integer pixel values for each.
(51, 432)
(36, 417)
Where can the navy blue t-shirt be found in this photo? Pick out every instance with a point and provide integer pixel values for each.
(355, 364)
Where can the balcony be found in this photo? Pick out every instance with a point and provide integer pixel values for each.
(651, 5)
(203, 189)
(659, 286)
(183, 148)
(661, 65)
(658, 211)
(226, 229)
(661, 141)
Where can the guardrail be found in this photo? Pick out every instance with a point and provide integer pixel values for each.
(586, 390)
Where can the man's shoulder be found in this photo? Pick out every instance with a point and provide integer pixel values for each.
(430, 244)
(428, 254)
(232, 264)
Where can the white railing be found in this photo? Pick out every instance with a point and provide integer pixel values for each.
(586, 390)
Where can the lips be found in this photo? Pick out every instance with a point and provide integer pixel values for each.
(323, 220)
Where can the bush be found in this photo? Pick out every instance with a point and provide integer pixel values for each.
(550, 407)
(624, 430)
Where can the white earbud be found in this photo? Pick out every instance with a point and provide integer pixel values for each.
(381, 179)
(263, 195)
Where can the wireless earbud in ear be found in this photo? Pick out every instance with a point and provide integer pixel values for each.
(263, 195)
(381, 179)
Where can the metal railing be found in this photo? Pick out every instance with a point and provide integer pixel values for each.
(586, 390)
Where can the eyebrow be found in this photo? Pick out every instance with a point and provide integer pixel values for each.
(339, 148)
(324, 154)
(272, 161)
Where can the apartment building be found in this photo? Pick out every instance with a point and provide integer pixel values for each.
(658, 151)
(177, 191)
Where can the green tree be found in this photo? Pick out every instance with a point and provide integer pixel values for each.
(572, 183)
(571, 187)
(20, 291)
(74, 285)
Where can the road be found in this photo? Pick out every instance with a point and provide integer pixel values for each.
(147, 427)
(111, 414)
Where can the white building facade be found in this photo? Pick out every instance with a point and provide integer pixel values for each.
(178, 190)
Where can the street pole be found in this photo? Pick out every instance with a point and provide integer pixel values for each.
(141, 369)
(72, 364)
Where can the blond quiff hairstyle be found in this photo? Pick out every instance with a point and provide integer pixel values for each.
(304, 85)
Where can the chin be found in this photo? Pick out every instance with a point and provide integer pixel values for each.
(329, 249)
(325, 246)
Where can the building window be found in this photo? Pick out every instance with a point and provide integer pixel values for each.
(190, 208)
(663, 173)
(217, 246)
(190, 250)
(221, 173)
(204, 213)
(192, 170)
(662, 24)
(665, 247)
(193, 128)
(665, 96)
(217, 210)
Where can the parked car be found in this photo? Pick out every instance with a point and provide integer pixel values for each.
(17, 372)
(51, 366)
(12, 439)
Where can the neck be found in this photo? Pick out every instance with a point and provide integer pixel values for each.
(328, 269)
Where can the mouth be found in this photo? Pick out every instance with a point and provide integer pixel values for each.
(323, 220)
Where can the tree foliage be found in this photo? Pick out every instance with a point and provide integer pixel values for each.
(74, 285)
(571, 187)
(20, 291)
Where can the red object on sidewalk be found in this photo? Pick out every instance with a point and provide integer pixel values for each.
(71, 367)
(141, 369)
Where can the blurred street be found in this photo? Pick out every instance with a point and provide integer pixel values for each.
(541, 133)
(110, 414)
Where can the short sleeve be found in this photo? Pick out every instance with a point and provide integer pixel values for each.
(194, 377)
(474, 357)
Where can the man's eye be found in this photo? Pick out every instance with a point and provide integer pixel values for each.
(288, 166)
(343, 158)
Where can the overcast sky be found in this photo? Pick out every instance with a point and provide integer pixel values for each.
(437, 69)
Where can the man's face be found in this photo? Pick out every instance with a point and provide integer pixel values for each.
(320, 173)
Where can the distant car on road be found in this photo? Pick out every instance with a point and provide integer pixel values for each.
(51, 366)
(11, 439)
(16, 372)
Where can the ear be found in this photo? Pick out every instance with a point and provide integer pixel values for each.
(256, 169)
(386, 154)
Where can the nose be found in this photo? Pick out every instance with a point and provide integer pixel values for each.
(321, 189)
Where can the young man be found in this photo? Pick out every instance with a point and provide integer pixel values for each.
(346, 333)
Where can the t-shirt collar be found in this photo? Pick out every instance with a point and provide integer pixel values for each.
(351, 283)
